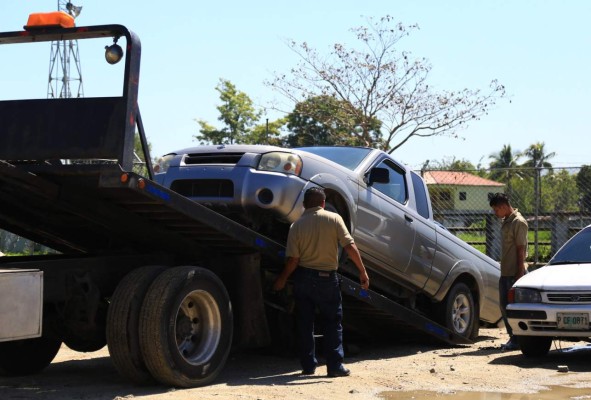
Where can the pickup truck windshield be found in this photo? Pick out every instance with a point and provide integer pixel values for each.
(348, 157)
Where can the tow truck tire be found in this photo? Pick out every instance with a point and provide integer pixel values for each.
(29, 356)
(534, 346)
(186, 327)
(460, 311)
(123, 320)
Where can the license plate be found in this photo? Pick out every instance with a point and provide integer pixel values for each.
(572, 321)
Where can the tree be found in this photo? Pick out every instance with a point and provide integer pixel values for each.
(451, 164)
(584, 186)
(561, 192)
(267, 133)
(238, 114)
(504, 166)
(384, 84)
(325, 120)
(538, 158)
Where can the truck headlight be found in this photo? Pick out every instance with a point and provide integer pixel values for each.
(287, 163)
(522, 295)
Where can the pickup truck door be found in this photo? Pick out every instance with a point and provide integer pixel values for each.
(384, 230)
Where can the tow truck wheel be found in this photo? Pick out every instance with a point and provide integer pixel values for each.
(123, 318)
(186, 327)
(24, 357)
(460, 312)
(534, 346)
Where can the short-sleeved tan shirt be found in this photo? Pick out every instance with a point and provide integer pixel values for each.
(314, 239)
(514, 233)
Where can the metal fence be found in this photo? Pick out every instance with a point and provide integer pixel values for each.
(555, 202)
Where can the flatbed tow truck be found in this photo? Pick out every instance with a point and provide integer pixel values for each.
(168, 284)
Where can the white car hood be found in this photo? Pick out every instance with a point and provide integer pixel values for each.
(566, 277)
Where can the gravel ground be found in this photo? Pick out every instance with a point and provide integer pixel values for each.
(378, 371)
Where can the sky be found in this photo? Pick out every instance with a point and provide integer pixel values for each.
(539, 50)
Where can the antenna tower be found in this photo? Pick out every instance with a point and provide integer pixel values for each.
(64, 53)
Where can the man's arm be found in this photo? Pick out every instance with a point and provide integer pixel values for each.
(290, 265)
(520, 250)
(353, 253)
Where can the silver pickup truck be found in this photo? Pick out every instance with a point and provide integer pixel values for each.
(385, 205)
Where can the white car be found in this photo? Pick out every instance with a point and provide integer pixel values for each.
(554, 302)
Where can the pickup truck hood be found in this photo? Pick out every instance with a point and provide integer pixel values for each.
(561, 277)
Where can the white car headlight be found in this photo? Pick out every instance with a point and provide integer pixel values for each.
(527, 296)
(287, 163)
(162, 164)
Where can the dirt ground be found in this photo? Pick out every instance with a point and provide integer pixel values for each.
(384, 371)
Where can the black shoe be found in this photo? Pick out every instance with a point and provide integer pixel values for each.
(311, 371)
(511, 345)
(339, 372)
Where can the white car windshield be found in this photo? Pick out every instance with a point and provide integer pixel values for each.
(348, 157)
(575, 251)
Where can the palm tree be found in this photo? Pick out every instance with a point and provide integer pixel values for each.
(538, 159)
(504, 166)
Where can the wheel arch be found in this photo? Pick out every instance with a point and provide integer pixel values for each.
(464, 272)
(340, 203)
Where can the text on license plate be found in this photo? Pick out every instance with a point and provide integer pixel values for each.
(572, 320)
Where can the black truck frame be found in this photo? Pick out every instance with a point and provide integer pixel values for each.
(168, 284)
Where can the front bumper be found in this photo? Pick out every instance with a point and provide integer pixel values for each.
(540, 319)
(240, 189)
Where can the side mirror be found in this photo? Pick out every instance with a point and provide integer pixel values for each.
(379, 175)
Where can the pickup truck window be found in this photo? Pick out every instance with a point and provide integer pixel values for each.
(396, 188)
(420, 195)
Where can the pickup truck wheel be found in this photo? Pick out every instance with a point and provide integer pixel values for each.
(186, 327)
(24, 357)
(534, 346)
(460, 311)
(123, 320)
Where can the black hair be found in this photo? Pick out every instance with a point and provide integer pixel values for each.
(498, 199)
(314, 197)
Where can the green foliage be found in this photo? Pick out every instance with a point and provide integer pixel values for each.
(583, 181)
(268, 133)
(559, 192)
(325, 120)
(139, 162)
(237, 113)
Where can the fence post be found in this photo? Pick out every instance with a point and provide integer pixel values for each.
(493, 236)
(560, 229)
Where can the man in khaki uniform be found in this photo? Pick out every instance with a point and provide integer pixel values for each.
(312, 255)
(513, 253)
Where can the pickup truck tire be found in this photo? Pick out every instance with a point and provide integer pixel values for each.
(123, 320)
(186, 327)
(29, 356)
(459, 311)
(534, 346)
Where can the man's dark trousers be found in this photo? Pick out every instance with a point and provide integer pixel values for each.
(317, 289)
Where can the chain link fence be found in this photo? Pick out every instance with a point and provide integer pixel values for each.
(555, 202)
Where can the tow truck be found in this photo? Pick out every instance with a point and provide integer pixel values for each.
(170, 286)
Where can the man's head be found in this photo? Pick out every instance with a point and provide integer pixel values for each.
(501, 205)
(314, 197)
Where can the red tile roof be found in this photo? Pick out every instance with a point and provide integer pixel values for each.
(457, 178)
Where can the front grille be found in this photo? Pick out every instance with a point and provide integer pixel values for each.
(569, 298)
(527, 314)
(204, 187)
(213, 158)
